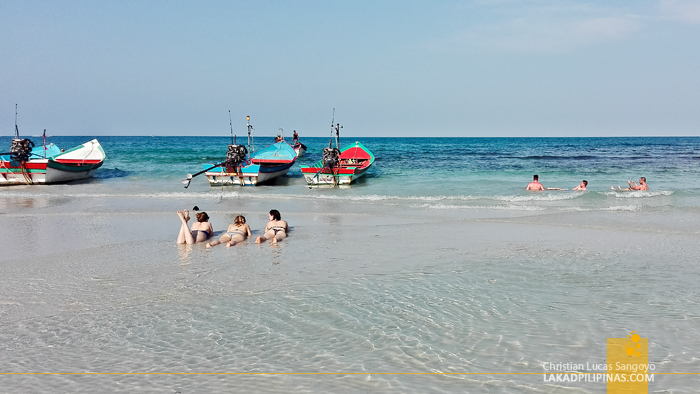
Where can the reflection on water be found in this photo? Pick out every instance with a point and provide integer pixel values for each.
(184, 251)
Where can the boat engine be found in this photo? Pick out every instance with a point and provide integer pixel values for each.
(331, 157)
(21, 149)
(235, 155)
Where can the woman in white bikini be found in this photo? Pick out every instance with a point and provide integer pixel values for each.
(201, 229)
(276, 228)
(237, 232)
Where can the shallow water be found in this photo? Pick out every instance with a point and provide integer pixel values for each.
(388, 276)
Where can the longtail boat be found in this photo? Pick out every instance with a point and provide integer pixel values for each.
(47, 164)
(339, 167)
(266, 164)
(26, 164)
(248, 169)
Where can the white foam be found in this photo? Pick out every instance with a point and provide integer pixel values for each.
(540, 197)
(627, 208)
(638, 193)
(509, 207)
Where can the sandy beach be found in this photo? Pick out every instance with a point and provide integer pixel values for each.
(359, 287)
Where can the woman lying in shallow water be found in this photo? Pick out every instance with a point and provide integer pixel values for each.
(276, 229)
(236, 233)
(201, 229)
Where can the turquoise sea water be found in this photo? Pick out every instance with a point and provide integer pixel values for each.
(421, 167)
(436, 261)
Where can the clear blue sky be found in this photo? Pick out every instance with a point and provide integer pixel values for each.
(390, 68)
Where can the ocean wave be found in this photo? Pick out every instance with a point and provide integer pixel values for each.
(638, 193)
(540, 197)
(509, 207)
(623, 208)
(531, 197)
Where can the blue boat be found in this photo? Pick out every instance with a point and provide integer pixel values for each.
(264, 165)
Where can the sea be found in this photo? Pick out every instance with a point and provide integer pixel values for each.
(434, 273)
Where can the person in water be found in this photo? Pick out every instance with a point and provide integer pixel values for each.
(201, 230)
(632, 185)
(237, 232)
(535, 185)
(276, 229)
(582, 185)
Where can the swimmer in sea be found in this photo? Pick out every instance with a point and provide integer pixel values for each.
(633, 185)
(276, 229)
(237, 232)
(200, 231)
(535, 185)
(582, 185)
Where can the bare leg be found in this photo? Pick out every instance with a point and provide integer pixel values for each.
(223, 239)
(185, 237)
(260, 239)
(236, 239)
(279, 237)
(183, 229)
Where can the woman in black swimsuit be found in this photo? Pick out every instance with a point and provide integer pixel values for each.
(201, 229)
(276, 228)
(237, 232)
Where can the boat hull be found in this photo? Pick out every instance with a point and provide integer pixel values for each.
(327, 178)
(300, 149)
(249, 175)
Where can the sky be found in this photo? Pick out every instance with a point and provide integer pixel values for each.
(479, 68)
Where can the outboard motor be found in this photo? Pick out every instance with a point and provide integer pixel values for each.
(21, 149)
(235, 155)
(331, 157)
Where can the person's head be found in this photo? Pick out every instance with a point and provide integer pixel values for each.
(275, 215)
(239, 220)
(642, 180)
(535, 178)
(584, 182)
(202, 216)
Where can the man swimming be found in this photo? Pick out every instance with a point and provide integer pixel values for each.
(535, 185)
(582, 185)
(633, 185)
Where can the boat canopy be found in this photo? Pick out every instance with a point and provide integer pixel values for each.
(355, 153)
(278, 153)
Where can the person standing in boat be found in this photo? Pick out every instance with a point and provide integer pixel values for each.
(295, 138)
(200, 231)
(276, 228)
(237, 232)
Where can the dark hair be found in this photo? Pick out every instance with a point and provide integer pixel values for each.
(202, 216)
(275, 214)
(534, 178)
(644, 179)
(585, 182)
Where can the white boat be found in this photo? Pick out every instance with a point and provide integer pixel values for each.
(47, 164)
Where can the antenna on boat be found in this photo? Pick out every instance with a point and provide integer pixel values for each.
(250, 147)
(231, 124)
(330, 143)
(16, 128)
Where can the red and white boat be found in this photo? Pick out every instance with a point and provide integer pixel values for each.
(352, 162)
(26, 164)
